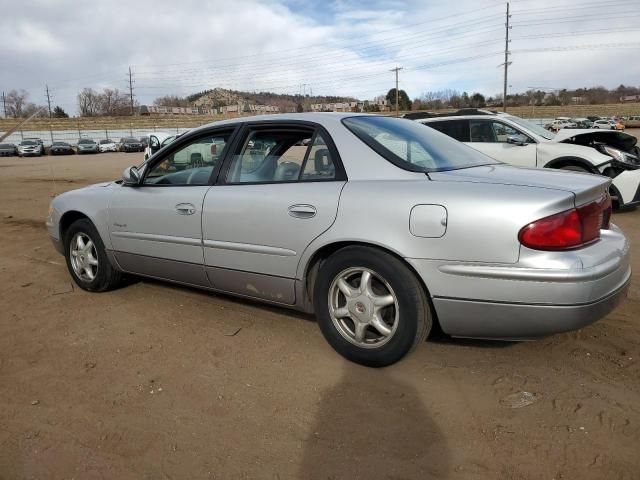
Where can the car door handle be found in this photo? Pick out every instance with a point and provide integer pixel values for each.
(302, 211)
(185, 209)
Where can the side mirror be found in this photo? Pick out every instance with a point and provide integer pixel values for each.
(517, 140)
(131, 177)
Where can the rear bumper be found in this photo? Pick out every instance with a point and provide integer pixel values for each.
(513, 321)
(542, 294)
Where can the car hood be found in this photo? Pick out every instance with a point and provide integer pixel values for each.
(584, 186)
(616, 139)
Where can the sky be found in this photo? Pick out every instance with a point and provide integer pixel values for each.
(332, 47)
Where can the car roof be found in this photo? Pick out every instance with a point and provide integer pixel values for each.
(323, 118)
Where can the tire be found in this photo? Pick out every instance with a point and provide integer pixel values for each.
(407, 320)
(105, 277)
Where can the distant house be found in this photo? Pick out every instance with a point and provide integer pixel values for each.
(630, 98)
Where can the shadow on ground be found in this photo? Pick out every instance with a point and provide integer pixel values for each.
(372, 425)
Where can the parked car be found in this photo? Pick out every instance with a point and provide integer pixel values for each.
(8, 150)
(155, 141)
(144, 141)
(130, 144)
(583, 123)
(28, 148)
(380, 226)
(107, 145)
(608, 125)
(61, 148)
(632, 122)
(517, 141)
(559, 124)
(87, 145)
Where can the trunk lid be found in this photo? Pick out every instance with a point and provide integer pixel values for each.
(585, 186)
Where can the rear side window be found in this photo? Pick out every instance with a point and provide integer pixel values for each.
(413, 146)
(458, 129)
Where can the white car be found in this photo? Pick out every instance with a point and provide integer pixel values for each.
(519, 142)
(560, 123)
(605, 124)
(155, 141)
(107, 145)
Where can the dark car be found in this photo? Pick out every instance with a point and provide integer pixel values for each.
(61, 148)
(8, 150)
(131, 144)
(86, 145)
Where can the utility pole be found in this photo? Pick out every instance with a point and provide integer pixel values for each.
(397, 69)
(506, 60)
(48, 99)
(131, 90)
(4, 104)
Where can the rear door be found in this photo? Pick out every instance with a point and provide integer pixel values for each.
(278, 192)
(489, 136)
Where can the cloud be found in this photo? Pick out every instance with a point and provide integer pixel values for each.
(344, 47)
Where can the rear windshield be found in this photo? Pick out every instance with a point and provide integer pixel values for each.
(413, 146)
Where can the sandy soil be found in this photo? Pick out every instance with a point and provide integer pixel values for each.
(149, 381)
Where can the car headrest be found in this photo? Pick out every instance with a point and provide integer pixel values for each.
(322, 160)
(196, 159)
(286, 171)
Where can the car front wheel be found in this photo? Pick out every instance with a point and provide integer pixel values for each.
(370, 306)
(87, 259)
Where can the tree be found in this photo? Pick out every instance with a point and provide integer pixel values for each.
(16, 101)
(404, 102)
(478, 101)
(88, 102)
(173, 101)
(59, 113)
(299, 108)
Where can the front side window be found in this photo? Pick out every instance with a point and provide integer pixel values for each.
(413, 146)
(491, 131)
(191, 164)
(282, 155)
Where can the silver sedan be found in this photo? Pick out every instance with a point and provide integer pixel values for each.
(380, 226)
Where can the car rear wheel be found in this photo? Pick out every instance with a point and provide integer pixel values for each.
(87, 259)
(370, 306)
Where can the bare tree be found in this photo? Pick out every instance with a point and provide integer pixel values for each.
(16, 102)
(88, 102)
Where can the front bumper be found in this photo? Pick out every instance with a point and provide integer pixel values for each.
(542, 294)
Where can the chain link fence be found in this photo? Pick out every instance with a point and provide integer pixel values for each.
(72, 136)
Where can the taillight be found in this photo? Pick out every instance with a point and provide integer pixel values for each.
(569, 229)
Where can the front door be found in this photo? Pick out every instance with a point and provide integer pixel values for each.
(279, 191)
(155, 227)
(490, 137)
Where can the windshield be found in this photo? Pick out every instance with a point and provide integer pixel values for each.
(84, 142)
(28, 142)
(130, 140)
(413, 146)
(104, 142)
(59, 143)
(537, 129)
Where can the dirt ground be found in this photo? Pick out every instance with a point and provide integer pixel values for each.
(155, 381)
